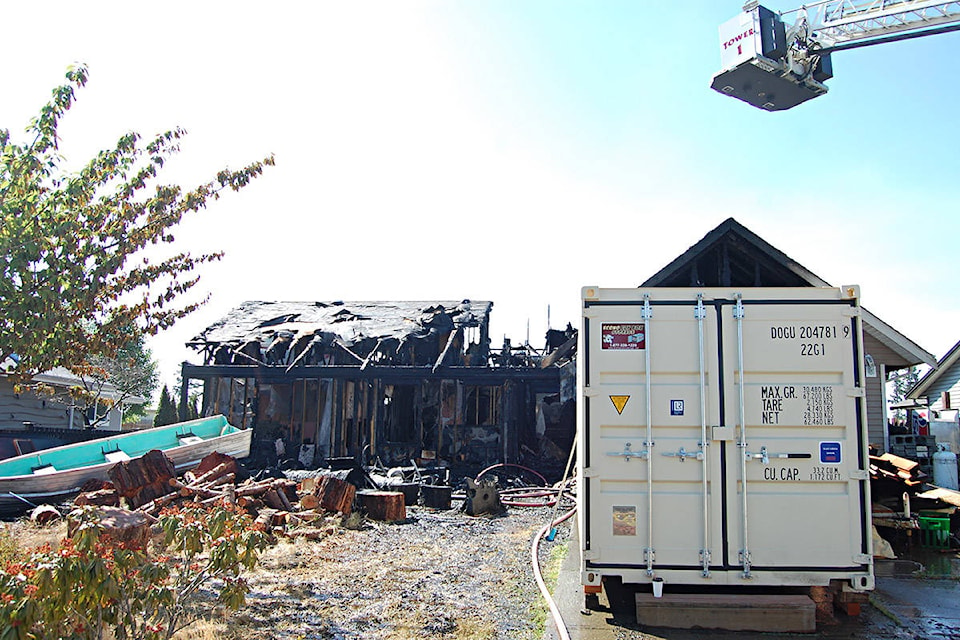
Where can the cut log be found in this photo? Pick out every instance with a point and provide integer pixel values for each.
(212, 474)
(100, 497)
(129, 527)
(336, 495)
(95, 484)
(142, 479)
(213, 460)
(264, 520)
(386, 506)
(309, 501)
(44, 513)
(272, 498)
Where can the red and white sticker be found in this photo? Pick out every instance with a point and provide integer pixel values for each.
(629, 336)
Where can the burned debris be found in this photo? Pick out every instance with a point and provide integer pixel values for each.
(385, 383)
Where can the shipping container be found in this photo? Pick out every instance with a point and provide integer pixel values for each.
(724, 438)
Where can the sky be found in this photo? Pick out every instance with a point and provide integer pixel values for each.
(504, 150)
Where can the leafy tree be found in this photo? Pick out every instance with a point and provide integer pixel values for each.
(129, 372)
(901, 382)
(73, 275)
(167, 411)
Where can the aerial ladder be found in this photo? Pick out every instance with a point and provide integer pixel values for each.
(775, 61)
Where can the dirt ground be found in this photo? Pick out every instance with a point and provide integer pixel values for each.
(437, 575)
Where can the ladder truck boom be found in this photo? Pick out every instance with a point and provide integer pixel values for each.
(775, 65)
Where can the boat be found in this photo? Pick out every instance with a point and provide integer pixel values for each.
(51, 475)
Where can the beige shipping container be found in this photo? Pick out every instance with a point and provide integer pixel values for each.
(724, 438)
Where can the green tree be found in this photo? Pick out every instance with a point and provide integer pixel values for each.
(73, 274)
(900, 384)
(107, 380)
(167, 410)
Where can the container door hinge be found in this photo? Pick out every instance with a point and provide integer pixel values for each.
(590, 472)
(862, 558)
(590, 554)
(859, 474)
(649, 555)
(705, 562)
(856, 392)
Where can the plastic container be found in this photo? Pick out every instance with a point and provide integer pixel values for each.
(934, 531)
(945, 467)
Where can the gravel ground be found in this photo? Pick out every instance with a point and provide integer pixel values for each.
(436, 575)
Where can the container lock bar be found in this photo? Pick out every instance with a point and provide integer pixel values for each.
(764, 456)
(627, 453)
(683, 454)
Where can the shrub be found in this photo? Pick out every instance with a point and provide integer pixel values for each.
(92, 582)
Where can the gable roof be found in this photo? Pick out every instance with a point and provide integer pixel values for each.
(732, 255)
(946, 367)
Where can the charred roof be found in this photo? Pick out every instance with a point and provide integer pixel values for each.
(311, 333)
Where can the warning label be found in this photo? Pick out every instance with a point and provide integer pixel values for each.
(623, 336)
(619, 402)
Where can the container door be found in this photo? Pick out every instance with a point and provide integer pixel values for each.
(797, 437)
(653, 474)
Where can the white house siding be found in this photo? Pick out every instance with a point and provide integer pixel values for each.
(948, 382)
(875, 388)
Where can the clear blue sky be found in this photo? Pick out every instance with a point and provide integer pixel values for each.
(507, 150)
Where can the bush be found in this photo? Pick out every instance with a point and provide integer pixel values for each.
(92, 582)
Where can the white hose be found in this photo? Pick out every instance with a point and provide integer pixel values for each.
(535, 558)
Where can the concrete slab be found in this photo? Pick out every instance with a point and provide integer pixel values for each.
(755, 612)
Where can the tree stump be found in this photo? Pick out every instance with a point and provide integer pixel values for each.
(142, 479)
(386, 506)
(120, 525)
(336, 495)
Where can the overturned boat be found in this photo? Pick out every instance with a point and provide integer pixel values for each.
(50, 475)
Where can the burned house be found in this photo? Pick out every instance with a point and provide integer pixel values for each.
(387, 381)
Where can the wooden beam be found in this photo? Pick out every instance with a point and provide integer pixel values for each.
(451, 338)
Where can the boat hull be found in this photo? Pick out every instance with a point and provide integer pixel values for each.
(20, 491)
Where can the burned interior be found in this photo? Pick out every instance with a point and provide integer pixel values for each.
(385, 381)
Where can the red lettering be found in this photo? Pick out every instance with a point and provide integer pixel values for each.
(738, 38)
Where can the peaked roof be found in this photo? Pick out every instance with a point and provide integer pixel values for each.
(732, 255)
(944, 366)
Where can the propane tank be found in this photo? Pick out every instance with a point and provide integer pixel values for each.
(945, 467)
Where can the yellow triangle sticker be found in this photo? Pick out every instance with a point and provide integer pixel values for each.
(619, 402)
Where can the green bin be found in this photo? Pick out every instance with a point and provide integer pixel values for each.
(934, 531)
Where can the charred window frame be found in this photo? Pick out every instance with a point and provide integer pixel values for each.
(483, 406)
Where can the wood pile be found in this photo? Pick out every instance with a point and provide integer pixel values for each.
(281, 506)
(897, 469)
